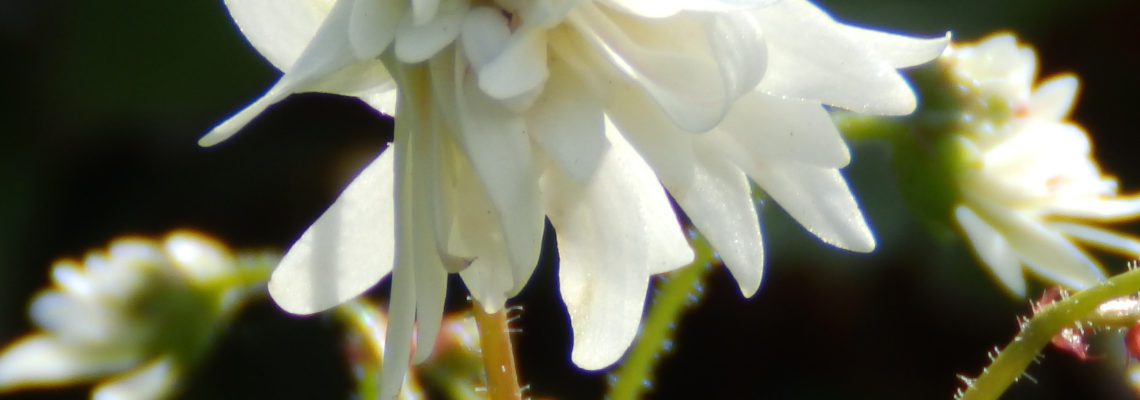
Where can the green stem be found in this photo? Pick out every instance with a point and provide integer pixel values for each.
(498, 355)
(674, 295)
(1035, 334)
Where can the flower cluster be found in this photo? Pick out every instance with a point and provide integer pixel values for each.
(141, 312)
(1030, 190)
(510, 112)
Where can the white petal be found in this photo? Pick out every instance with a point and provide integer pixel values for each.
(348, 249)
(714, 193)
(155, 380)
(1117, 242)
(1044, 251)
(402, 300)
(1054, 99)
(1097, 207)
(496, 143)
(519, 69)
(430, 276)
(372, 26)
(279, 29)
(719, 202)
(666, 8)
(897, 50)
(197, 256)
(329, 51)
(993, 249)
(567, 123)
(424, 10)
(76, 320)
(818, 198)
(612, 233)
(776, 130)
(812, 57)
(42, 360)
(416, 43)
(737, 43)
(673, 63)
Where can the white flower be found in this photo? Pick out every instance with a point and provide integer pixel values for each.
(1030, 188)
(134, 313)
(577, 111)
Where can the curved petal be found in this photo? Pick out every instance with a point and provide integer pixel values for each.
(714, 193)
(155, 380)
(416, 43)
(613, 232)
(777, 130)
(496, 143)
(566, 121)
(812, 57)
(43, 360)
(348, 249)
(993, 249)
(329, 51)
(673, 63)
(372, 26)
(1117, 242)
(1044, 251)
(1054, 99)
(279, 29)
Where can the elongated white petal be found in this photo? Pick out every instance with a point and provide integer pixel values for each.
(897, 50)
(76, 320)
(812, 57)
(372, 26)
(416, 43)
(567, 123)
(776, 130)
(329, 51)
(348, 249)
(44, 360)
(719, 202)
(993, 249)
(402, 300)
(1097, 207)
(1053, 99)
(612, 232)
(1044, 251)
(673, 63)
(666, 8)
(279, 29)
(1127, 245)
(714, 193)
(496, 143)
(430, 275)
(819, 199)
(519, 69)
(154, 380)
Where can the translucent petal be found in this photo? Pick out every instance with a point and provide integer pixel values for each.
(897, 50)
(155, 380)
(818, 198)
(348, 249)
(993, 249)
(566, 121)
(612, 232)
(1053, 99)
(719, 202)
(714, 193)
(416, 43)
(279, 29)
(1044, 251)
(328, 52)
(1116, 242)
(812, 57)
(76, 320)
(1097, 207)
(430, 276)
(196, 256)
(673, 63)
(496, 143)
(775, 130)
(42, 360)
(372, 26)
(402, 300)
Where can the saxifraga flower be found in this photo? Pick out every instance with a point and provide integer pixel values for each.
(1030, 190)
(510, 111)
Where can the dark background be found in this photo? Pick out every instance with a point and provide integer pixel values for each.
(102, 102)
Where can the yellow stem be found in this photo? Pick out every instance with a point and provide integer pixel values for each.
(498, 355)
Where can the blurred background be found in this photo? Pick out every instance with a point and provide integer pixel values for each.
(103, 102)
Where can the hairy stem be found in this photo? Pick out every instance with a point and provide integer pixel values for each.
(498, 355)
(1035, 334)
(678, 291)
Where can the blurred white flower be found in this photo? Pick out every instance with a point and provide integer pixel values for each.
(138, 314)
(1030, 188)
(578, 111)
